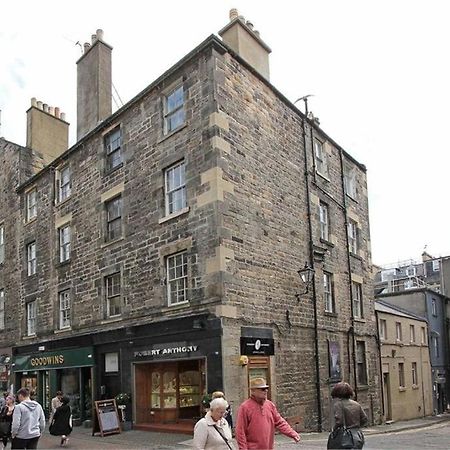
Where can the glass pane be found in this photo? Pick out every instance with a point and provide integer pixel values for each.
(169, 382)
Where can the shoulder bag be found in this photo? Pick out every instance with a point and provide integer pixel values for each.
(341, 437)
(223, 437)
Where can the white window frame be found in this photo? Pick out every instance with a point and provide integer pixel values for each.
(401, 375)
(113, 218)
(64, 309)
(328, 294)
(434, 307)
(324, 221)
(65, 184)
(436, 265)
(2, 243)
(31, 200)
(177, 278)
(175, 188)
(358, 310)
(352, 230)
(414, 374)
(410, 271)
(2, 309)
(435, 342)
(174, 114)
(113, 149)
(398, 331)
(350, 180)
(361, 362)
(412, 334)
(31, 258)
(31, 309)
(383, 329)
(423, 336)
(64, 235)
(320, 157)
(113, 294)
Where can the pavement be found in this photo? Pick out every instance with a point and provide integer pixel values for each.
(81, 438)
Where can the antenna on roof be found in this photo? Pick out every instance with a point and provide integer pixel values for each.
(305, 99)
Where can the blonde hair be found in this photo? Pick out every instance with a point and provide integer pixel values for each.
(217, 394)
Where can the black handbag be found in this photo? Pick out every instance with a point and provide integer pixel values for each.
(343, 437)
(5, 429)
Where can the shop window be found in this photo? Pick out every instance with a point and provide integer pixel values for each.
(169, 396)
(189, 388)
(156, 391)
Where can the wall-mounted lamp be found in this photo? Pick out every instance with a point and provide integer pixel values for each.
(307, 276)
(243, 360)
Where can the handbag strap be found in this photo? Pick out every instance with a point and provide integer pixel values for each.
(343, 413)
(222, 436)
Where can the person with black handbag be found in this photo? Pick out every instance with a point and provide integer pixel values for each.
(62, 421)
(349, 418)
(6, 415)
(212, 431)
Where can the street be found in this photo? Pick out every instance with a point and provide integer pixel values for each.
(434, 437)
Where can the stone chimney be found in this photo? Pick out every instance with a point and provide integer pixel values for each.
(94, 96)
(47, 130)
(245, 41)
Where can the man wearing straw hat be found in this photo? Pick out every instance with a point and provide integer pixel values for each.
(258, 418)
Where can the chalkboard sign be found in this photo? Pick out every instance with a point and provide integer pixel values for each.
(106, 420)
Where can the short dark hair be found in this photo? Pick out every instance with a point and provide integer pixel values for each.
(24, 392)
(342, 390)
(59, 393)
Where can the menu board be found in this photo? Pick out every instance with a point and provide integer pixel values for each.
(106, 419)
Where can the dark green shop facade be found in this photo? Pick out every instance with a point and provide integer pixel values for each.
(69, 371)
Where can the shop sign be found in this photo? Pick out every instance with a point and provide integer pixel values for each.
(81, 357)
(166, 351)
(257, 346)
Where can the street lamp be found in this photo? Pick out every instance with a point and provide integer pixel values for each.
(307, 276)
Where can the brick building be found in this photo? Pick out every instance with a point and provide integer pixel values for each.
(160, 256)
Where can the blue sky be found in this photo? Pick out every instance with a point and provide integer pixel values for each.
(379, 73)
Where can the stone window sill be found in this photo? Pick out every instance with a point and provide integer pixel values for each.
(62, 330)
(401, 389)
(173, 215)
(107, 244)
(111, 320)
(324, 177)
(326, 242)
(171, 133)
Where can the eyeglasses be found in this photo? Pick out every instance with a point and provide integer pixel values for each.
(262, 389)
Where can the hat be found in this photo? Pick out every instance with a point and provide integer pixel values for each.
(258, 383)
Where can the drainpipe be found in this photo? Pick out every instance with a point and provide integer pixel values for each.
(352, 328)
(314, 294)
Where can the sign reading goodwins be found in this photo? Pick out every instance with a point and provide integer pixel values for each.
(80, 357)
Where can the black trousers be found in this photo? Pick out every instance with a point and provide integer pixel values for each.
(18, 443)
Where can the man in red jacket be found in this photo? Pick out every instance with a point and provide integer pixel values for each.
(258, 418)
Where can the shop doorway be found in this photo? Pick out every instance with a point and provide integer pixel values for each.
(169, 393)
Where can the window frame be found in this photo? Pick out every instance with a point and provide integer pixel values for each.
(64, 309)
(328, 293)
(31, 307)
(169, 191)
(2, 308)
(113, 147)
(434, 307)
(412, 334)
(320, 158)
(383, 329)
(64, 189)
(357, 297)
(64, 247)
(435, 343)
(174, 281)
(350, 181)
(31, 258)
(414, 374)
(398, 331)
(423, 336)
(361, 363)
(31, 207)
(112, 221)
(115, 296)
(2, 243)
(172, 112)
(401, 375)
(435, 265)
(353, 245)
(324, 220)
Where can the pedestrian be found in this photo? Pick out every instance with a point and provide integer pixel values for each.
(28, 422)
(55, 403)
(6, 415)
(228, 414)
(61, 424)
(349, 417)
(213, 431)
(258, 418)
(3, 400)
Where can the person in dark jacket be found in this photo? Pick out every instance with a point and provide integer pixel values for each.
(62, 421)
(6, 416)
(348, 413)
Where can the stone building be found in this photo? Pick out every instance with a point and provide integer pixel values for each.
(405, 359)
(162, 259)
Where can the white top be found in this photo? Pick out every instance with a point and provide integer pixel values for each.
(206, 437)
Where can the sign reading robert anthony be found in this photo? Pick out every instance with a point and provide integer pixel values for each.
(257, 346)
(163, 351)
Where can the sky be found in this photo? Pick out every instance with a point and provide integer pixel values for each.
(379, 73)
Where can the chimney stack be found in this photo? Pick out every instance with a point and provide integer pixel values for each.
(246, 42)
(47, 131)
(94, 85)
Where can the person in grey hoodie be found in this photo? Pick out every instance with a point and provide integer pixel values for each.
(28, 422)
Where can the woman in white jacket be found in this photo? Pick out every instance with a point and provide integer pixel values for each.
(213, 432)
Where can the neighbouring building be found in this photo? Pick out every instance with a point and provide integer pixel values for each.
(433, 307)
(159, 255)
(405, 360)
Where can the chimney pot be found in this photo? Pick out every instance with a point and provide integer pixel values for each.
(93, 38)
(51, 110)
(33, 102)
(39, 104)
(100, 34)
(63, 116)
(45, 107)
(256, 32)
(57, 113)
(233, 14)
(86, 46)
(249, 25)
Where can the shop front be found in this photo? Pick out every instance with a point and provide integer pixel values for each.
(69, 371)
